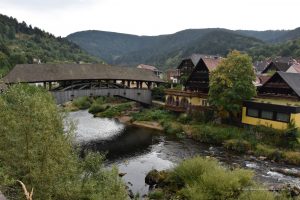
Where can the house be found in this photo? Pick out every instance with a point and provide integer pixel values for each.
(259, 66)
(187, 65)
(279, 64)
(172, 75)
(277, 103)
(195, 93)
(151, 68)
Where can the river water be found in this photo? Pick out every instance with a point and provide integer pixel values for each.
(135, 151)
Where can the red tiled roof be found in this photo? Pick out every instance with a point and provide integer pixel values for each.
(212, 63)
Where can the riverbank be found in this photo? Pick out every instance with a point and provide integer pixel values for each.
(262, 142)
(136, 151)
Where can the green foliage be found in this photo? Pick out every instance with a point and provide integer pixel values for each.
(97, 106)
(237, 145)
(156, 194)
(231, 83)
(153, 115)
(21, 43)
(288, 48)
(184, 118)
(158, 93)
(36, 148)
(115, 110)
(200, 178)
(163, 51)
(210, 133)
(82, 103)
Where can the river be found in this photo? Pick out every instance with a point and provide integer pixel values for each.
(135, 151)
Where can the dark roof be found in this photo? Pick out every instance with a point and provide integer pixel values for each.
(261, 65)
(57, 72)
(280, 66)
(292, 79)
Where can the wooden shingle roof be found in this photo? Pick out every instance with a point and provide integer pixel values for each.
(58, 72)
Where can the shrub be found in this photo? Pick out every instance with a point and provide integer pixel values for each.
(172, 128)
(214, 134)
(97, 108)
(206, 179)
(269, 152)
(184, 118)
(238, 145)
(292, 157)
(153, 115)
(82, 103)
(115, 111)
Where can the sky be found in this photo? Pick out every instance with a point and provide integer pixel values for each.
(153, 17)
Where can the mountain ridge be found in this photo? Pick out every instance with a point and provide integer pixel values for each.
(166, 50)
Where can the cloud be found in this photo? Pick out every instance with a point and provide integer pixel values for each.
(47, 4)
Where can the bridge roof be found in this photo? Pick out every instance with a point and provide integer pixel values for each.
(32, 73)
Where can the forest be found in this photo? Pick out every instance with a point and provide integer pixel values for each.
(21, 43)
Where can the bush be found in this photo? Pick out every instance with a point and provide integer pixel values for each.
(153, 115)
(115, 111)
(172, 128)
(206, 179)
(97, 108)
(237, 145)
(269, 152)
(214, 134)
(184, 118)
(82, 103)
(292, 157)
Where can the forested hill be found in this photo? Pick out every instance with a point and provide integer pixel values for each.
(21, 43)
(163, 51)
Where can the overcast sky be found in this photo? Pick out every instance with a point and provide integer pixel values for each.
(153, 17)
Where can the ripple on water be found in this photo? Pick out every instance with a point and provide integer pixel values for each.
(89, 128)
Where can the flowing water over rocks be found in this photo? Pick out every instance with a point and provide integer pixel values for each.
(136, 151)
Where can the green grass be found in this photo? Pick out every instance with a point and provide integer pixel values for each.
(115, 110)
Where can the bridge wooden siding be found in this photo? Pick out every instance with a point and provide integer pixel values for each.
(138, 95)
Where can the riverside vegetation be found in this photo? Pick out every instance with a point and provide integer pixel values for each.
(36, 149)
(277, 145)
(203, 178)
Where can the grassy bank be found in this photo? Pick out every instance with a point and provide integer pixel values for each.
(205, 178)
(281, 146)
(109, 107)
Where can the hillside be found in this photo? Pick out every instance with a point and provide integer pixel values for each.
(163, 51)
(290, 48)
(21, 43)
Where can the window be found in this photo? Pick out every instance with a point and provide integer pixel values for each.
(283, 117)
(204, 102)
(252, 112)
(266, 114)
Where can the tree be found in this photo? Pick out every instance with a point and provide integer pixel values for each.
(231, 83)
(37, 149)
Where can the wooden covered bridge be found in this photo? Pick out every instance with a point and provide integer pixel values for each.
(69, 81)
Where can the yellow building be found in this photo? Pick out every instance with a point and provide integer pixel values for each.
(277, 104)
(182, 101)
